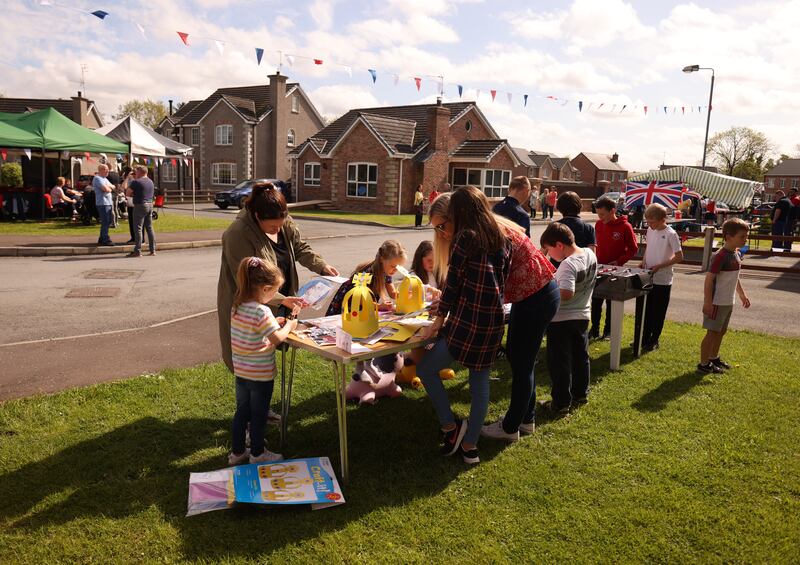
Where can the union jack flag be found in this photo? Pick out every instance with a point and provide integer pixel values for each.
(667, 193)
(689, 193)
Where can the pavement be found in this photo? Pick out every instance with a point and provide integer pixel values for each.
(76, 320)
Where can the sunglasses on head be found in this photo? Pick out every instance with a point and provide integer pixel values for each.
(440, 227)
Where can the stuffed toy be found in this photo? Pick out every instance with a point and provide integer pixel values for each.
(409, 375)
(375, 378)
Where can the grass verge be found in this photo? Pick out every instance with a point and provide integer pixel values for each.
(661, 465)
(386, 219)
(166, 222)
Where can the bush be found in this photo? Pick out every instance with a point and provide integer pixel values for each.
(11, 175)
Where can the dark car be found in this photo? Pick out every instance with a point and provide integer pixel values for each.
(618, 197)
(236, 196)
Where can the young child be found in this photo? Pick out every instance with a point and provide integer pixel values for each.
(254, 334)
(616, 245)
(567, 340)
(663, 251)
(470, 315)
(722, 281)
(519, 191)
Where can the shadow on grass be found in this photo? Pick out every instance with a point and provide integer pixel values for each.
(145, 464)
(669, 391)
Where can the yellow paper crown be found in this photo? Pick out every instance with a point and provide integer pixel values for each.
(410, 295)
(359, 309)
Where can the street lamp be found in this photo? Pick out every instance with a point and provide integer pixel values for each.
(692, 69)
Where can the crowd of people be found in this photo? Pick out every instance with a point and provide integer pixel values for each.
(480, 260)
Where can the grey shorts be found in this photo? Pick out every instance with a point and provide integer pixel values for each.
(718, 321)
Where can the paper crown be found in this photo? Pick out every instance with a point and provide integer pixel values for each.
(410, 295)
(359, 310)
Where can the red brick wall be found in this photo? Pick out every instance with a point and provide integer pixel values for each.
(586, 168)
(238, 153)
(321, 192)
(776, 183)
(459, 133)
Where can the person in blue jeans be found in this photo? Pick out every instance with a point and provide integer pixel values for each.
(469, 321)
(103, 190)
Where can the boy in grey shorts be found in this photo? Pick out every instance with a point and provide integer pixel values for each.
(722, 282)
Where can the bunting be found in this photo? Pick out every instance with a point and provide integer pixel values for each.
(460, 90)
(525, 98)
(259, 54)
(418, 82)
(184, 37)
(317, 61)
(374, 74)
(580, 105)
(289, 60)
(100, 14)
(494, 93)
(509, 98)
(220, 46)
(4, 154)
(27, 153)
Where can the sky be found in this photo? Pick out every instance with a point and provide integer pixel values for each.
(604, 53)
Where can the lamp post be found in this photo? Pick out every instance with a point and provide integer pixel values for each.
(692, 69)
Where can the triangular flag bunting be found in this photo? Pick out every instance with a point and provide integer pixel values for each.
(477, 94)
(65, 154)
(525, 98)
(186, 162)
(100, 14)
(317, 61)
(27, 153)
(396, 79)
(86, 154)
(418, 82)
(4, 154)
(665, 109)
(184, 37)
(374, 74)
(590, 106)
(460, 90)
(645, 110)
(683, 110)
(349, 71)
(623, 108)
(565, 102)
(673, 109)
(141, 29)
(174, 162)
(158, 161)
(580, 105)
(220, 46)
(509, 97)
(259, 54)
(698, 110)
(601, 105)
(494, 93)
(614, 108)
(290, 60)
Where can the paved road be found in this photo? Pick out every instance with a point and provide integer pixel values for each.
(176, 284)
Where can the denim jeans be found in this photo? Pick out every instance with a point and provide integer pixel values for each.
(105, 214)
(526, 328)
(428, 369)
(568, 361)
(597, 312)
(143, 217)
(655, 313)
(778, 228)
(252, 405)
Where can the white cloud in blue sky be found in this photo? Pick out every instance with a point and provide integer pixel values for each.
(611, 52)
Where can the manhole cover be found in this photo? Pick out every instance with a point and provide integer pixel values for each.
(111, 274)
(93, 292)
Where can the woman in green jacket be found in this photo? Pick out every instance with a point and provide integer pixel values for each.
(263, 229)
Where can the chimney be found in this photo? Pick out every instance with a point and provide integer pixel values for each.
(170, 107)
(80, 111)
(615, 158)
(438, 126)
(79, 94)
(279, 127)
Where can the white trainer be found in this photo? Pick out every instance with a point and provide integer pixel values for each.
(527, 429)
(496, 431)
(266, 457)
(234, 459)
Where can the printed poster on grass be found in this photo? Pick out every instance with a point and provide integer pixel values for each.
(294, 481)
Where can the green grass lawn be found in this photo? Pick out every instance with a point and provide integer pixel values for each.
(388, 219)
(662, 465)
(761, 244)
(166, 222)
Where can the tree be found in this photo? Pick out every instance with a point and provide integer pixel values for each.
(730, 148)
(149, 112)
(11, 175)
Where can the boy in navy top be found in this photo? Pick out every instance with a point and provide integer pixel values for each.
(519, 190)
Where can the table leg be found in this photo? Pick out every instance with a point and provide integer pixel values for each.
(638, 324)
(340, 382)
(617, 307)
(283, 399)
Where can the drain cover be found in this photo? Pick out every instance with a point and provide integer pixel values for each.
(111, 274)
(93, 292)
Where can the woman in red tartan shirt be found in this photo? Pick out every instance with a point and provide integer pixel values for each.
(470, 320)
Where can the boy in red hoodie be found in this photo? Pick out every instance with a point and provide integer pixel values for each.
(616, 245)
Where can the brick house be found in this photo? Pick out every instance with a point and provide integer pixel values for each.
(783, 176)
(372, 159)
(239, 133)
(78, 109)
(599, 171)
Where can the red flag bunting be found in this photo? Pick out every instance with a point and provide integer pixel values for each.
(87, 155)
(4, 153)
(683, 109)
(317, 61)
(418, 82)
(174, 162)
(494, 93)
(184, 37)
(645, 110)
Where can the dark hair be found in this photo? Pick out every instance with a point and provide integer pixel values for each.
(605, 203)
(470, 212)
(253, 272)
(425, 247)
(266, 203)
(557, 232)
(569, 204)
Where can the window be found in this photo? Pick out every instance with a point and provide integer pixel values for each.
(468, 125)
(223, 173)
(311, 172)
(169, 172)
(794, 183)
(295, 104)
(604, 176)
(195, 137)
(223, 135)
(362, 180)
(783, 183)
(463, 177)
(771, 183)
(290, 138)
(496, 182)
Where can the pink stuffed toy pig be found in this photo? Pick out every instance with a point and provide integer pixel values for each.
(375, 378)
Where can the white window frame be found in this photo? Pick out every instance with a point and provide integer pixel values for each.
(223, 134)
(771, 183)
(215, 174)
(295, 104)
(192, 133)
(290, 138)
(467, 172)
(794, 183)
(355, 182)
(169, 172)
(783, 183)
(496, 190)
(312, 180)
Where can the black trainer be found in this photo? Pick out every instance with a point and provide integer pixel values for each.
(709, 368)
(452, 439)
(470, 457)
(719, 363)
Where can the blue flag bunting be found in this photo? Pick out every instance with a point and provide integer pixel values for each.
(100, 14)
(665, 109)
(460, 90)
(525, 97)
(580, 105)
(374, 74)
(259, 54)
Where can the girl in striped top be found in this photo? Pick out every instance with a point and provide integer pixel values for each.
(254, 334)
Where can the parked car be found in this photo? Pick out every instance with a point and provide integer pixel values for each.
(236, 196)
(618, 197)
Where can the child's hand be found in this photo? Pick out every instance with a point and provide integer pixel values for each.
(291, 324)
(708, 309)
(385, 306)
(293, 302)
(655, 268)
(281, 320)
(296, 309)
(745, 301)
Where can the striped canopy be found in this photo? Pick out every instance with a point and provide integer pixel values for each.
(735, 192)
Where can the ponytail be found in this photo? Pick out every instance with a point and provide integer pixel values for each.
(253, 272)
(266, 202)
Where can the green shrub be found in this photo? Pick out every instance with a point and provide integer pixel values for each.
(11, 175)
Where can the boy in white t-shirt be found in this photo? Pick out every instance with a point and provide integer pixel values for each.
(722, 283)
(567, 334)
(663, 250)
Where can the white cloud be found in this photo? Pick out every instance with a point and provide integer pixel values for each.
(334, 100)
(321, 11)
